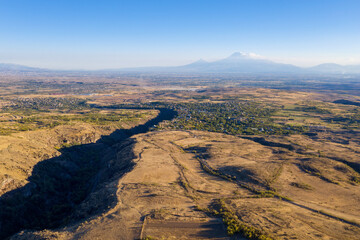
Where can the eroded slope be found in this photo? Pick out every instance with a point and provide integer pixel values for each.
(189, 180)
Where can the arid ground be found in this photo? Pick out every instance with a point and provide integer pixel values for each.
(224, 163)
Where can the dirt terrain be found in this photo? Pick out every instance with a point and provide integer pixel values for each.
(78, 172)
(170, 187)
(21, 151)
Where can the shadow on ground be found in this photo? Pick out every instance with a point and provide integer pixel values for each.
(59, 186)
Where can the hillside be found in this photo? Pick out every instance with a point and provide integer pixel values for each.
(179, 179)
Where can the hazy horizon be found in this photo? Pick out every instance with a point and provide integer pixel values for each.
(183, 64)
(91, 35)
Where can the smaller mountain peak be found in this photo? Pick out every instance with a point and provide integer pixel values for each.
(201, 61)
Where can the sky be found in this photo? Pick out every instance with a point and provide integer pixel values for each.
(87, 34)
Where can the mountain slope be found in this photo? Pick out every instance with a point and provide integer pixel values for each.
(177, 177)
(241, 63)
(7, 67)
(335, 68)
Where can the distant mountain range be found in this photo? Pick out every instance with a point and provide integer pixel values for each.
(235, 63)
(335, 68)
(6, 67)
(240, 63)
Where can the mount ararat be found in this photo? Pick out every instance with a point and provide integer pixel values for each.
(238, 62)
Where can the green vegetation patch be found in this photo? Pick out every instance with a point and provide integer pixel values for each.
(233, 117)
(233, 223)
(33, 115)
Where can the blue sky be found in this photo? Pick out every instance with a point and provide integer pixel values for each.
(86, 34)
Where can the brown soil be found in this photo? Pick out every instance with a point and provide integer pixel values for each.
(168, 181)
